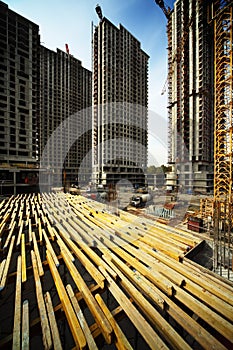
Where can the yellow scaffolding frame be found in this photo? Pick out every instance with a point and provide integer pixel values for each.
(223, 152)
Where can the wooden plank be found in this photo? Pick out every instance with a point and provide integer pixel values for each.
(23, 254)
(2, 226)
(63, 246)
(165, 248)
(119, 226)
(158, 279)
(35, 216)
(6, 217)
(13, 221)
(2, 265)
(30, 231)
(174, 339)
(89, 299)
(90, 340)
(20, 215)
(199, 276)
(7, 264)
(93, 271)
(202, 336)
(148, 288)
(121, 340)
(75, 328)
(53, 324)
(156, 228)
(83, 245)
(208, 315)
(220, 286)
(209, 299)
(17, 312)
(20, 233)
(197, 288)
(25, 326)
(140, 254)
(143, 327)
(10, 233)
(50, 248)
(37, 254)
(27, 214)
(39, 230)
(50, 229)
(47, 340)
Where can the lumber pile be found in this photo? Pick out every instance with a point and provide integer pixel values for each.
(74, 275)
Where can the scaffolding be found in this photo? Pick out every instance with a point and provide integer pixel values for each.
(220, 207)
(223, 238)
(190, 95)
(222, 18)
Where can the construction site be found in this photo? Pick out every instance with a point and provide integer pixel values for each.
(76, 276)
(144, 270)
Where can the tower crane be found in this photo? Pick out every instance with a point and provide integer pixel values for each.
(99, 12)
(166, 10)
(176, 55)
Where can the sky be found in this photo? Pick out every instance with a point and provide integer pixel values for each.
(70, 21)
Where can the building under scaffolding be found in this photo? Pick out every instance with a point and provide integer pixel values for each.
(220, 210)
(190, 96)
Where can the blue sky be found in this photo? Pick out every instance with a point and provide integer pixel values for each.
(69, 22)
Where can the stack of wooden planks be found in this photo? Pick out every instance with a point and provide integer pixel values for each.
(74, 275)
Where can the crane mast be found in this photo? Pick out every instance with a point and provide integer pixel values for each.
(166, 10)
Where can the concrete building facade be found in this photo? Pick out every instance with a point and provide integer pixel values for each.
(190, 96)
(120, 89)
(19, 95)
(40, 89)
(65, 98)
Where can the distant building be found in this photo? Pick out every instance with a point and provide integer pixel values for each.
(120, 100)
(19, 102)
(156, 180)
(65, 93)
(19, 87)
(39, 89)
(190, 96)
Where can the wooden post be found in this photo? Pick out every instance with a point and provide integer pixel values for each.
(121, 340)
(17, 314)
(143, 327)
(89, 299)
(24, 264)
(37, 255)
(7, 264)
(25, 326)
(53, 324)
(47, 340)
(75, 328)
(90, 340)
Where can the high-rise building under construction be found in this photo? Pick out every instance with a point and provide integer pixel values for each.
(65, 128)
(120, 99)
(190, 96)
(39, 90)
(19, 88)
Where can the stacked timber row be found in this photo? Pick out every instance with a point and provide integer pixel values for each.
(74, 275)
